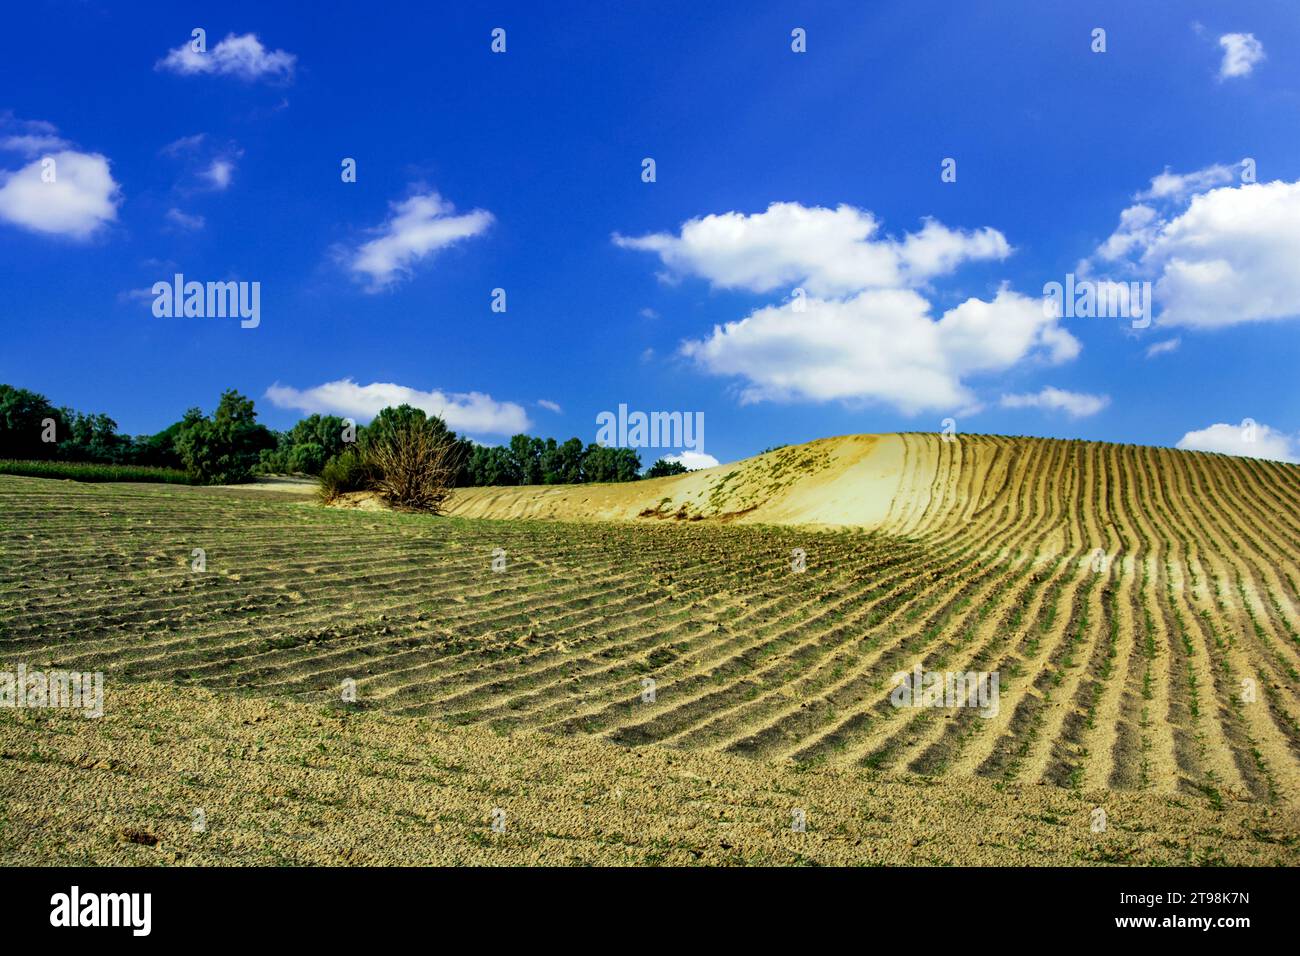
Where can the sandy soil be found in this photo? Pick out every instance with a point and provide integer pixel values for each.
(281, 783)
(834, 482)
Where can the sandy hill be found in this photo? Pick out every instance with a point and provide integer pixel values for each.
(917, 482)
(1139, 604)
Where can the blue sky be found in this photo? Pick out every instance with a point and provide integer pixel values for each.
(522, 171)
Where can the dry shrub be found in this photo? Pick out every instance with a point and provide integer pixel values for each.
(411, 467)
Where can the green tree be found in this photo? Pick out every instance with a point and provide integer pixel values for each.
(160, 450)
(605, 463)
(225, 448)
(562, 464)
(492, 465)
(22, 417)
(526, 453)
(663, 468)
(306, 447)
(93, 438)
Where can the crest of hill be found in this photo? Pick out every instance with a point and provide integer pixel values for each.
(910, 483)
(849, 480)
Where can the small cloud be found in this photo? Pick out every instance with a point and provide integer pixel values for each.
(185, 144)
(212, 165)
(1249, 440)
(243, 57)
(29, 137)
(1074, 404)
(1161, 348)
(648, 313)
(1241, 51)
(469, 411)
(550, 406)
(1174, 186)
(184, 221)
(694, 460)
(419, 226)
(647, 355)
(32, 144)
(218, 173)
(68, 193)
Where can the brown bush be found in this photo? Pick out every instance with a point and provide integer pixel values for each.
(411, 467)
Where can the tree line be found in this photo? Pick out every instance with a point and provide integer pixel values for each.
(231, 446)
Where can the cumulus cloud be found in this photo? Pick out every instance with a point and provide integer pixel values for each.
(829, 252)
(1241, 52)
(880, 345)
(469, 411)
(418, 227)
(242, 56)
(694, 460)
(1162, 348)
(550, 406)
(67, 193)
(1218, 254)
(862, 330)
(1249, 440)
(1074, 404)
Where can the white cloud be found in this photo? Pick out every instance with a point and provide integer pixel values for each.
(694, 460)
(469, 411)
(1162, 348)
(829, 252)
(1241, 51)
(1137, 229)
(240, 56)
(1074, 404)
(1247, 439)
(32, 144)
(183, 220)
(1220, 258)
(29, 137)
(1169, 185)
(81, 198)
(862, 331)
(550, 406)
(419, 226)
(211, 165)
(218, 173)
(648, 313)
(185, 144)
(881, 345)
